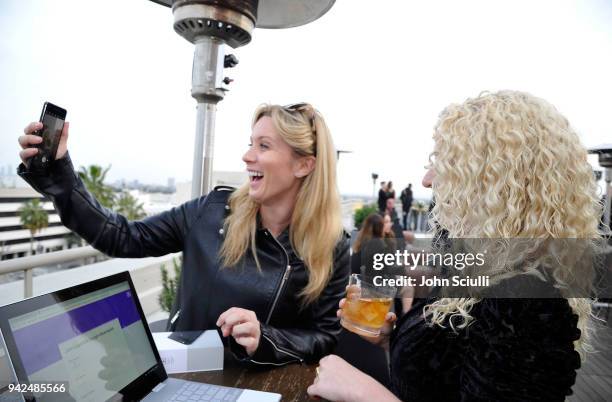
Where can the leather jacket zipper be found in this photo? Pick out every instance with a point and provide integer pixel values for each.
(174, 318)
(278, 293)
(283, 280)
(283, 350)
(276, 297)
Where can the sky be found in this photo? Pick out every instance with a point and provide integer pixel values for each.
(379, 72)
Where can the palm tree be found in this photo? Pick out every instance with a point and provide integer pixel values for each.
(34, 218)
(93, 177)
(129, 207)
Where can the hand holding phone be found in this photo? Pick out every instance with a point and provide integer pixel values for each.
(52, 118)
(46, 140)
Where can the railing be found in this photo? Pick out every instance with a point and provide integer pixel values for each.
(417, 218)
(27, 264)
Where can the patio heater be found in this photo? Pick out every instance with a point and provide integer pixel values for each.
(605, 161)
(211, 24)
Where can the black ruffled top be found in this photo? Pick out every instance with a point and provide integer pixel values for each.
(515, 350)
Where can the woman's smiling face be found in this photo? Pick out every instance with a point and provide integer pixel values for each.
(275, 171)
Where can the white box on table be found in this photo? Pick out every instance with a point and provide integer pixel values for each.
(204, 354)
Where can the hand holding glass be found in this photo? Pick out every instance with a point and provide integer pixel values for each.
(366, 306)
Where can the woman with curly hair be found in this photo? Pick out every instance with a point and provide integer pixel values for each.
(505, 165)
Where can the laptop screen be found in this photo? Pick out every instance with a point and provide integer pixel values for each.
(7, 375)
(96, 343)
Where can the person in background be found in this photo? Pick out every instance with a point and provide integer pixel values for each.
(390, 192)
(406, 198)
(391, 211)
(491, 178)
(382, 196)
(376, 236)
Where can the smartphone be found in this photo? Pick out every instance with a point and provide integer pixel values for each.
(52, 117)
(185, 337)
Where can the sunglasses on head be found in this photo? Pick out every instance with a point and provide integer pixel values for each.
(304, 107)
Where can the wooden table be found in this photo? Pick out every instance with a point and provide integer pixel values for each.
(291, 381)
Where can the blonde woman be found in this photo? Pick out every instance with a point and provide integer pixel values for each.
(505, 165)
(266, 263)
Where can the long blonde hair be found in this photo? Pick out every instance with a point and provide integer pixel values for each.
(509, 165)
(316, 223)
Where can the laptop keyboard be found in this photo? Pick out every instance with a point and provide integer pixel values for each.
(193, 392)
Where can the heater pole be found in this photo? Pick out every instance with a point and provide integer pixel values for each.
(206, 89)
(210, 25)
(608, 204)
(204, 146)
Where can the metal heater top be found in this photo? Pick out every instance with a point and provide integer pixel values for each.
(233, 21)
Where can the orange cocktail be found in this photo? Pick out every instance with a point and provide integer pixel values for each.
(366, 306)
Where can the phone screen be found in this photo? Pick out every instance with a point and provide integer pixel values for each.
(52, 118)
(51, 132)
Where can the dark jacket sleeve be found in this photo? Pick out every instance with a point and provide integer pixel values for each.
(279, 346)
(104, 229)
(520, 350)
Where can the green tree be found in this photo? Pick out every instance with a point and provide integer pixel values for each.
(93, 178)
(129, 207)
(169, 285)
(34, 218)
(362, 213)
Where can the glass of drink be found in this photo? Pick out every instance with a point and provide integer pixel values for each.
(366, 306)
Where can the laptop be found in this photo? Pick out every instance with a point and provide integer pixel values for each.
(7, 376)
(94, 340)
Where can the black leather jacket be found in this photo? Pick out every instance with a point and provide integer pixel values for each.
(289, 333)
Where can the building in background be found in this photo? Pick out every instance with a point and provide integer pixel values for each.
(220, 178)
(14, 239)
(9, 178)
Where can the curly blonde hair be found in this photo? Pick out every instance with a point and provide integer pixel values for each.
(509, 165)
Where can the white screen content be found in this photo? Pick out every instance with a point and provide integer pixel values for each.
(96, 343)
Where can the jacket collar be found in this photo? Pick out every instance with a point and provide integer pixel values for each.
(282, 238)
